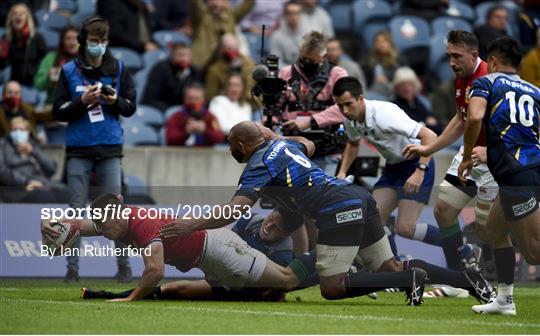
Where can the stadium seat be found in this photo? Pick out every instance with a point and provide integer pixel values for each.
(140, 79)
(513, 11)
(78, 18)
(442, 25)
(51, 38)
(152, 57)
(481, 11)
(5, 75)
(30, 95)
(409, 31)
(50, 20)
(171, 110)
(444, 72)
(437, 48)
(148, 115)
(67, 6)
(87, 7)
(164, 38)
(365, 12)
(341, 14)
(461, 10)
(139, 134)
(131, 58)
(375, 96)
(369, 32)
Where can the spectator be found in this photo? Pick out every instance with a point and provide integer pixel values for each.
(530, 66)
(94, 135)
(265, 13)
(22, 46)
(232, 107)
(284, 41)
(172, 15)
(407, 89)
(229, 62)
(167, 78)
(129, 22)
(49, 69)
(315, 18)
(210, 21)
(382, 64)
(495, 26)
(12, 106)
(335, 56)
(426, 9)
(26, 170)
(529, 22)
(193, 125)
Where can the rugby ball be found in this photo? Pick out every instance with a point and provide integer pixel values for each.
(69, 233)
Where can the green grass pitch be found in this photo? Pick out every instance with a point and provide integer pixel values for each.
(49, 306)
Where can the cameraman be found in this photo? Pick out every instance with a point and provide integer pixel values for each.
(309, 102)
(93, 91)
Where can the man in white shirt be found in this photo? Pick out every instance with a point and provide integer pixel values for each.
(404, 184)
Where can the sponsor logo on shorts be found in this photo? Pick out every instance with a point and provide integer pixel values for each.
(524, 208)
(348, 216)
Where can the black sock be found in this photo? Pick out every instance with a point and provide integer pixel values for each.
(304, 265)
(439, 275)
(452, 240)
(505, 262)
(362, 283)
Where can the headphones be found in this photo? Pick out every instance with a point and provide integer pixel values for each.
(83, 33)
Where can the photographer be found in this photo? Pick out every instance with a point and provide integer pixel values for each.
(94, 89)
(309, 101)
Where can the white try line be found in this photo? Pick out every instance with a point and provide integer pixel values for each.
(284, 314)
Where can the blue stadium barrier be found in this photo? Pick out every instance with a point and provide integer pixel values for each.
(442, 25)
(152, 57)
(409, 31)
(370, 30)
(139, 134)
(164, 38)
(131, 58)
(365, 12)
(148, 115)
(50, 20)
(437, 48)
(51, 38)
(341, 15)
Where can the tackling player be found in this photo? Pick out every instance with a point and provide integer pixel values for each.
(404, 184)
(509, 109)
(345, 214)
(462, 51)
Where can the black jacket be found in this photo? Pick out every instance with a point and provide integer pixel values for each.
(25, 60)
(165, 84)
(68, 108)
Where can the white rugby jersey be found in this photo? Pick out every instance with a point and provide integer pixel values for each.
(387, 127)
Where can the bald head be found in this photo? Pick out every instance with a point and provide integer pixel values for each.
(244, 137)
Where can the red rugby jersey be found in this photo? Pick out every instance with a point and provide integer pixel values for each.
(183, 253)
(463, 87)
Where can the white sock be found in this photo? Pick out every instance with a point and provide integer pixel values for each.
(420, 231)
(505, 294)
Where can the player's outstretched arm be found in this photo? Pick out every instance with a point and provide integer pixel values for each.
(451, 134)
(477, 109)
(349, 154)
(86, 228)
(237, 207)
(154, 268)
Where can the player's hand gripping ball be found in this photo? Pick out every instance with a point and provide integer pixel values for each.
(68, 234)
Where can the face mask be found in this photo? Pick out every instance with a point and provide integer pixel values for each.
(309, 69)
(194, 107)
(12, 103)
(19, 136)
(238, 156)
(96, 50)
(231, 55)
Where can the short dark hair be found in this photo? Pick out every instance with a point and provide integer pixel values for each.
(461, 37)
(348, 84)
(179, 45)
(507, 49)
(494, 9)
(101, 202)
(97, 26)
(289, 3)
